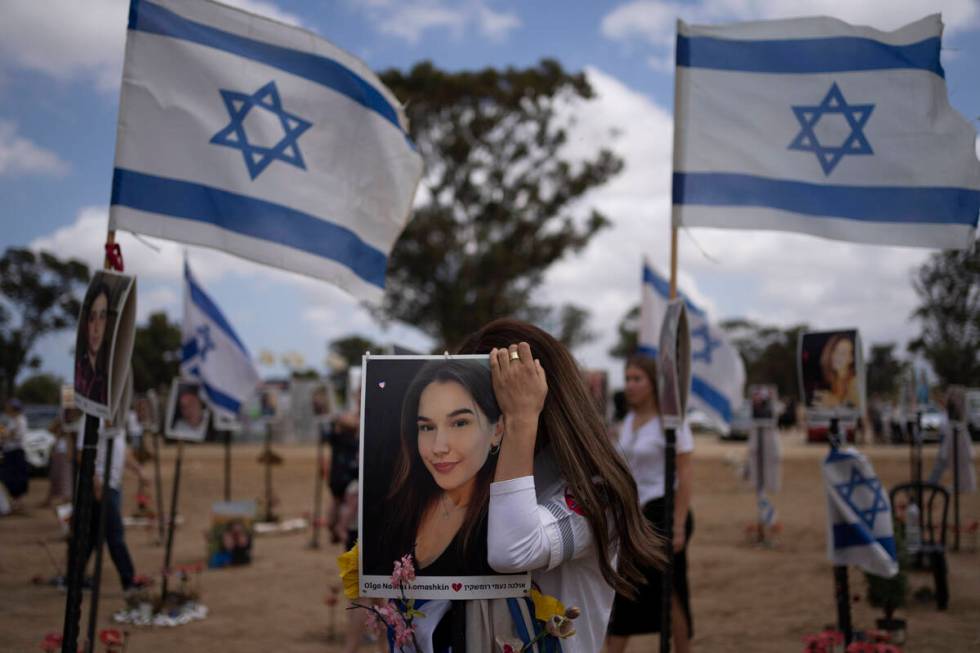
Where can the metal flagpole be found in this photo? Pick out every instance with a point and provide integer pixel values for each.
(667, 588)
(93, 614)
(842, 592)
(81, 520)
(173, 521)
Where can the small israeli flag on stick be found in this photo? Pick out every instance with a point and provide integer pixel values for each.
(213, 353)
(859, 514)
(717, 370)
(819, 127)
(262, 140)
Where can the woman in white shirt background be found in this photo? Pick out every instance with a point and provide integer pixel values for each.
(563, 504)
(642, 444)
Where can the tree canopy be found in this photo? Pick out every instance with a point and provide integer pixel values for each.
(39, 294)
(948, 287)
(40, 389)
(156, 353)
(498, 197)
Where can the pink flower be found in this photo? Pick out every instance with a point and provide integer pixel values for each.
(404, 571)
(403, 633)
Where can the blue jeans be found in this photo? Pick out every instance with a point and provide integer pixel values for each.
(114, 536)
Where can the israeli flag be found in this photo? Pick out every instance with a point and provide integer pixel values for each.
(213, 353)
(262, 140)
(816, 126)
(859, 514)
(717, 370)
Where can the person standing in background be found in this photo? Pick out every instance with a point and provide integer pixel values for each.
(14, 470)
(642, 443)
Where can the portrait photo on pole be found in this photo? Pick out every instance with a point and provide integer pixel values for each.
(430, 434)
(104, 343)
(831, 369)
(187, 414)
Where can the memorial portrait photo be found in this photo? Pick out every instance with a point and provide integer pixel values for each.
(187, 414)
(431, 431)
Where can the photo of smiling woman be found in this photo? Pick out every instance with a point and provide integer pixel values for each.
(437, 496)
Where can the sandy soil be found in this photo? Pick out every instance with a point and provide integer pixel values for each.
(745, 598)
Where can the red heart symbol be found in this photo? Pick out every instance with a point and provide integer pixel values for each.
(457, 587)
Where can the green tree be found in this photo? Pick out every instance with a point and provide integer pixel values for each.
(884, 371)
(39, 294)
(769, 353)
(40, 389)
(628, 330)
(156, 353)
(948, 286)
(350, 349)
(498, 194)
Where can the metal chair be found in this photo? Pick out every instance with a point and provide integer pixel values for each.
(933, 502)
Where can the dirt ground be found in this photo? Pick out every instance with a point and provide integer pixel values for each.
(745, 598)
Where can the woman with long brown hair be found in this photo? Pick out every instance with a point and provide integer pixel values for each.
(642, 442)
(563, 504)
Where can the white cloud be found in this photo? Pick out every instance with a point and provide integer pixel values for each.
(18, 155)
(410, 20)
(71, 40)
(652, 24)
(774, 278)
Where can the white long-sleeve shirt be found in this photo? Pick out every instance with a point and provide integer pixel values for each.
(535, 525)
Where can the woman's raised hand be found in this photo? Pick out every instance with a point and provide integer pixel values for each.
(518, 382)
(520, 387)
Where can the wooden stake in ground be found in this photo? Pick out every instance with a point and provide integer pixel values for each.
(161, 528)
(93, 614)
(318, 492)
(173, 521)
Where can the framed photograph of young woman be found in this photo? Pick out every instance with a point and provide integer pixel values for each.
(430, 433)
(104, 343)
(832, 372)
(187, 414)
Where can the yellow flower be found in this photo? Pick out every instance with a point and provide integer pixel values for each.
(347, 563)
(545, 606)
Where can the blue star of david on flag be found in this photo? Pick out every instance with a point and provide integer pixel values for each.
(856, 116)
(709, 345)
(257, 157)
(864, 496)
(204, 341)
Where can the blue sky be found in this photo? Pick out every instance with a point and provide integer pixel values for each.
(60, 63)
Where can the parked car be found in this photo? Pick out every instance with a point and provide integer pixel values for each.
(38, 440)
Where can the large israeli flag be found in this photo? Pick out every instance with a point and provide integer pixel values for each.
(859, 514)
(820, 127)
(717, 370)
(260, 139)
(212, 352)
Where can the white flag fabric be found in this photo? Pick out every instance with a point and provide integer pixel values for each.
(262, 140)
(859, 514)
(816, 126)
(717, 370)
(212, 352)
